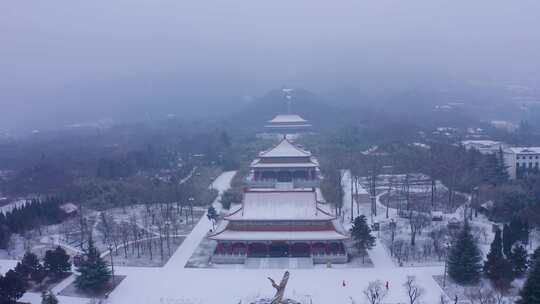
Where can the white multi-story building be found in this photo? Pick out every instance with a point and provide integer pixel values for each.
(483, 146)
(519, 160)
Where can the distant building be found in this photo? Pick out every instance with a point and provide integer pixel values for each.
(520, 160)
(287, 124)
(483, 146)
(504, 125)
(69, 208)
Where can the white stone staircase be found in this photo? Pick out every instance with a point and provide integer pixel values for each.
(279, 263)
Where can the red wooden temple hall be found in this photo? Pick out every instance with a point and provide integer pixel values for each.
(282, 213)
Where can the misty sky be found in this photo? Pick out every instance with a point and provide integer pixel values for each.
(69, 61)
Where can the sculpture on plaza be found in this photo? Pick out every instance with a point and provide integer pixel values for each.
(280, 289)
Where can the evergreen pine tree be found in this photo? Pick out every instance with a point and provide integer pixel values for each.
(519, 229)
(56, 261)
(518, 258)
(47, 297)
(12, 287)
(530, 294)
(30, 268)
(496, 267)
(534, 257)
(361, 233)
(495, 253)
(94, 271)
(464, 259)
(508, 240)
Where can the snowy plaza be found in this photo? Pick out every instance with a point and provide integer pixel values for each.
(174, 283)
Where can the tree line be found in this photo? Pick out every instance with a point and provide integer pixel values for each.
(33, 272)
(31, 215)
(506, 261)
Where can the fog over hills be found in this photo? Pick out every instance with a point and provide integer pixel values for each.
(136, 60)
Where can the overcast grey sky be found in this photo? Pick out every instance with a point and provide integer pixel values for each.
(69, 61)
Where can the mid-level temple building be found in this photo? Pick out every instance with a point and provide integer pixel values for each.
(282, 213)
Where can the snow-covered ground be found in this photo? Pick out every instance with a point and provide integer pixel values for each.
(16, 204)
(6, 265)
(175, 284)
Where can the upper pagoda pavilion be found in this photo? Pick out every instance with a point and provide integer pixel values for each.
(288, 124)
(284, 165)
(282, 212)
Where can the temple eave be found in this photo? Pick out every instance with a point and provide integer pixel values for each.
(306, 236)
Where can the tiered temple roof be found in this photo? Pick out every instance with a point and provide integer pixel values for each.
(285, 155)
(264, 205)
(287, 121)
(283, 213)
(285, 148)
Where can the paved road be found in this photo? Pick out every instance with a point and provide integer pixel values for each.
(188, 246)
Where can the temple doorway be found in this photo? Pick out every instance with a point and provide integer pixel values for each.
(300, 250)
(279, 250)
(257, 250)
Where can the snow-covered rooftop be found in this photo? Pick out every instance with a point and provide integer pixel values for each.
(280, 205)
(524, 150)
(232, 235)
(285, 148)
(485, 142)
(258, 164)
(287, 118)
(289, 125)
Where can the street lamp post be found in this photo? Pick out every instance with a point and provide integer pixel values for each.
(475, 201)
(373, 206)
(352, 197)
(167, 226)
(191, 200)
(112, 262)
(446, 263)
(393, 227)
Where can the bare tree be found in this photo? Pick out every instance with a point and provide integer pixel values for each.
(399, 251)
(375, 292)
(115, 235)
(407, 190)
(500, 297)
(160, 231)
(124, 231)
(414, 291)
(393, 227)
(374, 171)
(147, 233)
(388, 195)
(480, 294)
(417, 222)
(438, 237)
(443, 299)
(135, 232)
(105, 227)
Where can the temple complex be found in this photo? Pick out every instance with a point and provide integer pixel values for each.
(282, 213)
